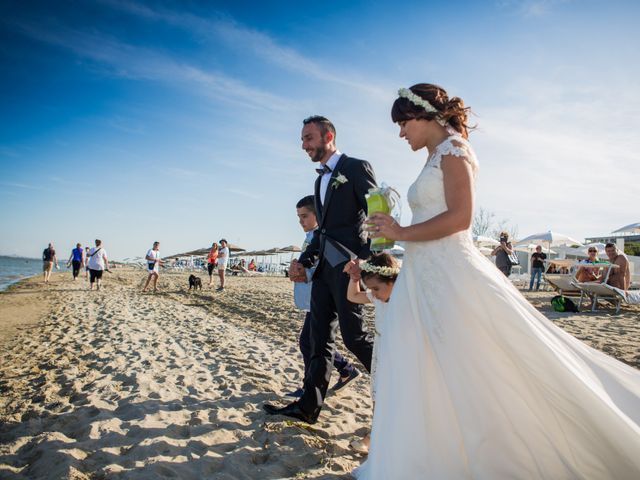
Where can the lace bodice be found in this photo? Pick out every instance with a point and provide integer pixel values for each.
(426, 195)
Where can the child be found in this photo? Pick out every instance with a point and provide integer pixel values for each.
(306, 212)
(378, 274)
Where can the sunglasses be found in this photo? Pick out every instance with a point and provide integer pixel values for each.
(593, 251)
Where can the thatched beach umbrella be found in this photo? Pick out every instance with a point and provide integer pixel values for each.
(204, 251)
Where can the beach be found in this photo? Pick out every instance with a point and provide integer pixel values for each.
(121, 384)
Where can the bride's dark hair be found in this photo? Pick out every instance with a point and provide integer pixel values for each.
(452, 110)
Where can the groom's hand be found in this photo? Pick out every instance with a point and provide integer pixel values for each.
(297, 272)
(352, 269)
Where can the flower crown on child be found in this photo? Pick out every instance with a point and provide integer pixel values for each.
(382, 271)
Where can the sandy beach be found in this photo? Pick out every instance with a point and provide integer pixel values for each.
(120, 384)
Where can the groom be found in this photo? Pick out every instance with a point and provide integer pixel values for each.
(341, 209)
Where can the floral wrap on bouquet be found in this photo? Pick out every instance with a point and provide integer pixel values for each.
(383, 199)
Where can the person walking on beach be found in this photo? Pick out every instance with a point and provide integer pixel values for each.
(153, 266)
(98, 263)
(473, 382)
(223, 260)
(212, 261)
(49, 259)
(537, 267)
(341, 208)
(76, 260)
(86, 263)
(306, 211)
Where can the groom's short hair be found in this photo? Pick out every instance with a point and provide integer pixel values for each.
(323, 123)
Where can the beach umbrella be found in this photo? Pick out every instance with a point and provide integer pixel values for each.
(482, 240)
(293, 249)
(599, 245)
(530, 248)
(551, 238)
(235, 248)
(631, 228)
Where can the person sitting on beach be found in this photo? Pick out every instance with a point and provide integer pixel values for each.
(98, 263)
(48, 260)
(252, 266)
(212, 261)
(223, 260)
(153, 266)
(619, 277)
(76, 260)
(306, 211)
(379, 275)
(587, 273)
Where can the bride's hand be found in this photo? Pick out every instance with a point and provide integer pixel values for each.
(383, 225)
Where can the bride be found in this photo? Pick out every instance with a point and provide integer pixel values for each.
(479, 384)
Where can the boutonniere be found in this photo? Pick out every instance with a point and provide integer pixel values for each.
(339, 180)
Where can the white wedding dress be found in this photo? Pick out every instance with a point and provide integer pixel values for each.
(475, 383)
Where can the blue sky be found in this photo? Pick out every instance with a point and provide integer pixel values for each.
(180, 121)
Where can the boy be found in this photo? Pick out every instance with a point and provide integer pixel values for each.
(306, 212)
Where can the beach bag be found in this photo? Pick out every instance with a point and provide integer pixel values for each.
(513, 259)
(563, 304)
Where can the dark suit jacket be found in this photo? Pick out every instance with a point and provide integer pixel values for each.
(342, 216)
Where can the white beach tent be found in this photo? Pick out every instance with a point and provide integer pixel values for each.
(551, 238)
(483, 241)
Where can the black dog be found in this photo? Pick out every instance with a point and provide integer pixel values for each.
(195, 282)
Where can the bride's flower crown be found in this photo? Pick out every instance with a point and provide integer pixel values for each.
(382, 271)
(421, 102)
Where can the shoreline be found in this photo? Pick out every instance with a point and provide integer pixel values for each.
(120, 384)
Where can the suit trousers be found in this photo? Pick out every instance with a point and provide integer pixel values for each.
(340, 363)
(330, 308)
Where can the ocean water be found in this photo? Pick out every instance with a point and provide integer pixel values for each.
(14, 269)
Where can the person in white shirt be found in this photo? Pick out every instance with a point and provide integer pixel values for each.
(223, 260)
(153, 266)
(98, 263)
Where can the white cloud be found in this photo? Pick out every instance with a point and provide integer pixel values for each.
(239, 37)
(140, 63)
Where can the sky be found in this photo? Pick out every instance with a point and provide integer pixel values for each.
(180, 121)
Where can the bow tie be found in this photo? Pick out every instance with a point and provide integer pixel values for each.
(323, 170)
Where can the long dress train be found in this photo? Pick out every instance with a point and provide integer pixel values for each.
(477, 384)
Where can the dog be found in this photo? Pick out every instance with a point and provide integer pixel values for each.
(195, 282)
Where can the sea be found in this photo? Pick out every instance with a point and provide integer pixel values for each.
(14, 269)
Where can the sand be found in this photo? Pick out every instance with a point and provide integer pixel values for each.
(120, 384)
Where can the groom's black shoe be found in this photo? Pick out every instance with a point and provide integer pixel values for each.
(292, 410)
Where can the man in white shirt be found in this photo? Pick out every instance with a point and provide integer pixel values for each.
(153, 266)
(97, 264)
(223, 260)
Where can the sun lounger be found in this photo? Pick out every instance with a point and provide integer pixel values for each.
(601, 291)
(562, 283)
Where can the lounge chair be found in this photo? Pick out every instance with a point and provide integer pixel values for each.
(603, 291)
(563, 283)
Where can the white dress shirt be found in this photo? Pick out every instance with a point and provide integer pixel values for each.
(324, 181)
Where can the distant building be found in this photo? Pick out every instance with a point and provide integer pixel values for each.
(613, 238)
